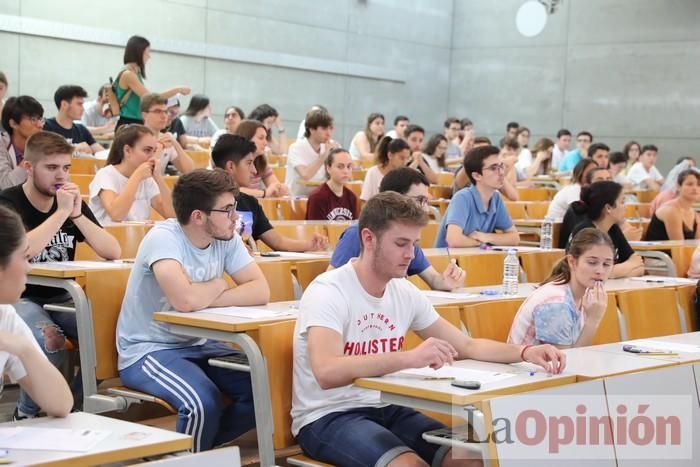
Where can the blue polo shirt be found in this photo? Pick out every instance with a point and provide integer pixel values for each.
(349, 247)
(467, 211)
(570, 160)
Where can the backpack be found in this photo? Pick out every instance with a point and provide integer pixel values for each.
(110, 91)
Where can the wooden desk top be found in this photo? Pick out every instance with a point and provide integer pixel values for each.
(127, 441)
(588, 363)
(663, 245)
(442, 391)
(74, 269)
(224, 323)
(691, 338)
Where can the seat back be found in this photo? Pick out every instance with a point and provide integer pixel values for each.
(83, 165)
(279, 277)
(686, 300)
(129, 237)
(536, 194)
(609, 327)
(270, 208)
(538, 265)
(201, 159)
(428, 234)
(335, 230)
(649, 312)
(307, 271)
(105, 290)
(276, 344)
(293, 209)
(83, 181)
(483, 269)
(516, 209)
(492, 319)
(537, 209)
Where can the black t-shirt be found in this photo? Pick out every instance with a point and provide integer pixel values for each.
(76, 134)
(571, 220)
(177, 127)
(623, 250)
(64, 242)
(253, 219)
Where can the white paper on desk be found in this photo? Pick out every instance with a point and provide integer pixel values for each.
(84, 265)
(455, 372)
(292, 254)
(449, 295)
(665, 279)
(50, 439)
(650, 344)
(246, 312)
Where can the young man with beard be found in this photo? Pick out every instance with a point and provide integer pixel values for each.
(179, 266)
(56, 220)
(341, 424)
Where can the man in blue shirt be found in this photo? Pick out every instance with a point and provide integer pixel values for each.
(475, 213)
(583, 141)
(413, 184)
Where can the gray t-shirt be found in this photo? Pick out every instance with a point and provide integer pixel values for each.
(137, 333)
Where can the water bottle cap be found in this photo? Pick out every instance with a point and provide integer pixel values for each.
(512, 251)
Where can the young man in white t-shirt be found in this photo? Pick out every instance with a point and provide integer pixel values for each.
(179, 267)
(306, 157)
(561, 147)
(352, 324)
(644, 172)
(400, 124)
(154, 110)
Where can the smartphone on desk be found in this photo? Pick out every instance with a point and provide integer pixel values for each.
(269, 254)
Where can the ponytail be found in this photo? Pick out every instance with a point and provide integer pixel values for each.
(388, 145)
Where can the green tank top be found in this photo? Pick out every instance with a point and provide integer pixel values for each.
(132, 106)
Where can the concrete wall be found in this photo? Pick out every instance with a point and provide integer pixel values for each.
(623, 69)
(408, 40)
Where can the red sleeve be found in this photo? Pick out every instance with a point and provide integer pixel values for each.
(315, 207)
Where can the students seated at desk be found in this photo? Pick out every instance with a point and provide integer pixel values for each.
(306, 157)
(264, 183)
(475, 213)
(644, 173)
(197, 119)
(21, 358)
(352, 324)
(571, 192)
(509, 152)
(414, 135)
(333, 201)
(232, 117)
(669, 189)
(97, 116)
(69, 101)
(235, 154)
(567, 307)
(155, 117)
(131, 182)
(22, 116)
(364, 142)
(57, 219)
(529, 166)
(573, 158)
(179, 266)
(677, 219)
(571, 218)
(391, 154)
(413, 184)
(602, 204)
(269, 117)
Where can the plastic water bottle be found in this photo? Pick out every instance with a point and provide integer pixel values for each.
(511, 271)
(546, 233)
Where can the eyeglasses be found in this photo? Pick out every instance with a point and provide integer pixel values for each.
(229, 210)
(230, 115)
(496, 168)
(421, 200)
(35, 120)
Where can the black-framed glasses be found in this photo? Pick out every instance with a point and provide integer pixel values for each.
(421, 200)
(230, 210)
(496, 168)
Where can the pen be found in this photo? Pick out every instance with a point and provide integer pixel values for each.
(438, 378)
(655, 281)
(449, 256)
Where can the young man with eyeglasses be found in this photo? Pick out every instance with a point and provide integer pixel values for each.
(477, 215)
(22, 116)
(583, 142)
(179, 267)
(235, 154)
(413, 184)
(154, 111)
(352, 324)
(452, 128)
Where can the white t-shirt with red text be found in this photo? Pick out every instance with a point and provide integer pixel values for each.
(368, 325)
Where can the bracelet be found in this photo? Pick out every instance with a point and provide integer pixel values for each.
(522, 352)
(75, 217)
